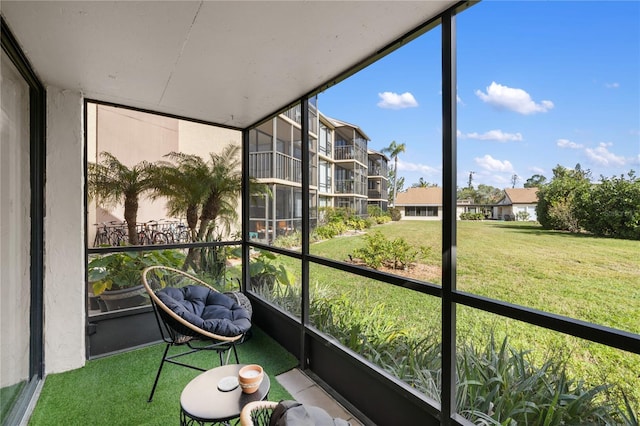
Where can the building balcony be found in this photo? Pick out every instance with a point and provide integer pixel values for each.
(287, 168)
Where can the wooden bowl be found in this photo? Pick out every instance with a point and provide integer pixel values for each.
(250, 377)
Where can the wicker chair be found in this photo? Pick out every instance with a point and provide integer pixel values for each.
(260, 413)
(181, 325)
(257, 413)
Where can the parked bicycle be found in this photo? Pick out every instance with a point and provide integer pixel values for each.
(150, 233)
(112, 233)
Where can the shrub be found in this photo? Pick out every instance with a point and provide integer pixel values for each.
(471, 216)
(294, 239)
(396, 215)
(380, 251)
(611, 208)
(374, 211)
(523, 216)
(382, 219)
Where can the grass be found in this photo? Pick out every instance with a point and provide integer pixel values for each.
(114, 390)
(583, 277)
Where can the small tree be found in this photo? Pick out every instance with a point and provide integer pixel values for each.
(394, 149)
(612, 207)
(555, 208)
(111, 182)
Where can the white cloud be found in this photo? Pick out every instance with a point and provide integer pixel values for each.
(566, 143)
(392, 100)
(489, 163)
(612, 85)
(517, 100)
(537, 170)
(492, 135)
(601, 155)
(459, 100)
(406, 166)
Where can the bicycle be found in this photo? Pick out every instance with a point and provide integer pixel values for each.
(102, 235)
(149, 234)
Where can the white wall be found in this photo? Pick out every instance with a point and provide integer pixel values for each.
(64, 284)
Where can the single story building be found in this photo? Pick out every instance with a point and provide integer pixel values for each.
(517, 201)
(426, 204)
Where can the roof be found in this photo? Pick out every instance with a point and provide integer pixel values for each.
(225, 62)
(420, 196)
(521, 195)
(340, 123)
(378, 153)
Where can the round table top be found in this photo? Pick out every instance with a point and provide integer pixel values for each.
(202, 400)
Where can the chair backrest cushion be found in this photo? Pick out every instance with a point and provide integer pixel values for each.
(293, 413)
(207, 309)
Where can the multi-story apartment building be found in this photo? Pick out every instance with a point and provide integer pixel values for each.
(378, 179)
(339, 173)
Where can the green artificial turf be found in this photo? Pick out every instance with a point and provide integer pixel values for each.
(114, 390)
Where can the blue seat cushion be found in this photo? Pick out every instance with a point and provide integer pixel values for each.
(207, 309)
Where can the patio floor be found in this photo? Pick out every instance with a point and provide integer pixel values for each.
(303, 389)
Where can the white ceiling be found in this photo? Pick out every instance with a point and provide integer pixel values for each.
(226, 62)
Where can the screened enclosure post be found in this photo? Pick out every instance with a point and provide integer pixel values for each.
(305, 231)
(246, 200)
(449, 158)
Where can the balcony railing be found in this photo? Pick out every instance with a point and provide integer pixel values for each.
(286, 167)
(350, 186)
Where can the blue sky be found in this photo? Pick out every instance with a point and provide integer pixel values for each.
(539, 84)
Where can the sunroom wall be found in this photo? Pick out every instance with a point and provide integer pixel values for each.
(64, 260)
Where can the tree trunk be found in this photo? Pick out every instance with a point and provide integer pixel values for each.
(131, 217)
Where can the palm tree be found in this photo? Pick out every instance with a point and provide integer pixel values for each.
(111, 182)
(394, 149)
(206, 192)
(184, 183)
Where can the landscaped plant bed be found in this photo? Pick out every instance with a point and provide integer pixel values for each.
(578, 276)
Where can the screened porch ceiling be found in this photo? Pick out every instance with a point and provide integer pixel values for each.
(226, 62)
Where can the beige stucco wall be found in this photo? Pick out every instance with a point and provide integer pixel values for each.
(64, 285)
(201, 139)
(131, 136)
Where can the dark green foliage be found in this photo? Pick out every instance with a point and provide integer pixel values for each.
(396, 215)
(570, 202)
(484, 194)
(338, 220)
(375, 211)
(330, 230)
(535, 181)
(471, 216)
(555, 208)
(501, 386)
(120, 270)
(497, 384)
(612, 207)
(395, 254)
(335, 214)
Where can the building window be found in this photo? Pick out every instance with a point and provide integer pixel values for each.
(422, 211)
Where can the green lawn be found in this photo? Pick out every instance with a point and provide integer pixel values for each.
(592, 279)
(114, 390)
